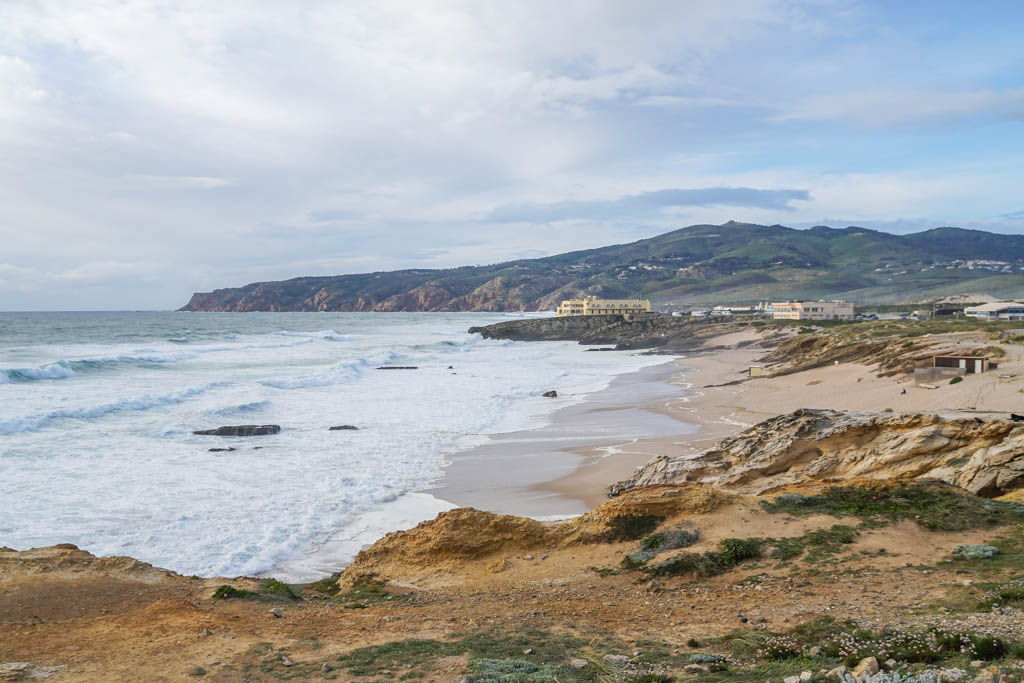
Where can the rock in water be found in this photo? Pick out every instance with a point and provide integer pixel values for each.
(399, 367)
(221, 450)
(341, 427)
(550, 394)
(240, 430)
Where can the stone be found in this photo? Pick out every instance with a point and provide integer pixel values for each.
(866, 667)
(578, 663)
(791, 679)
(207, 632)
(977, 664)
(527, 557)
(326, 668)
(286, 662)
(814, 651)
(197, 671)
(240, 430)
(221, 450)
(398, 367)
(550, 394)
(342, 427)
(20, 671)
(837, 672)
(617, 660)
(277, 613)
(806, 675)
(528, 651)
(770, 454)
(696, 669)
(891, 664)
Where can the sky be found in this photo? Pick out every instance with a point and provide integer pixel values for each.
(152, 149)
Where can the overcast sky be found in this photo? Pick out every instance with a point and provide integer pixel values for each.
(152, 149)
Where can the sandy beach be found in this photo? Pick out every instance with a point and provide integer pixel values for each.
(711, 398)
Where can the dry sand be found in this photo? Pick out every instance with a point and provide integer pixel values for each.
(716, 395)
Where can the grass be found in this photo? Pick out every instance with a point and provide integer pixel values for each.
(270, 589)
(546, 649)
(934, 507)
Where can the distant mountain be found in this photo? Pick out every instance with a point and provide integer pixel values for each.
(732, 262)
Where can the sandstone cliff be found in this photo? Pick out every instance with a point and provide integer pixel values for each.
(982, 454)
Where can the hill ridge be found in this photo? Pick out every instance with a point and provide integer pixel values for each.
(703, 263)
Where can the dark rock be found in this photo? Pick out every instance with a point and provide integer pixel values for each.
(197, 671)
(240, 430)
(550, 394)
(221, 450)
(398, 367)
(341, 427)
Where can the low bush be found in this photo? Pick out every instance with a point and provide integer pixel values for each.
(225, 592)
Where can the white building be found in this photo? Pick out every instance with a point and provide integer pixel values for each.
(997, 310)
(812, 310)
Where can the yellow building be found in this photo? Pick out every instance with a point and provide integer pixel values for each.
(591, 305)
(813, 310)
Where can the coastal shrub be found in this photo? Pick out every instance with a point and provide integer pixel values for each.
(779, 647)
(706, 658)
(701, 565)
(637, 558)
(510, 671)
(677, 538)
(933, 506)
(735, 550)
(976, 552)
(630, 527)
(956, 380)
(225, 591)
(278, 588)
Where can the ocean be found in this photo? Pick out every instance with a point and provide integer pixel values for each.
(97, 412)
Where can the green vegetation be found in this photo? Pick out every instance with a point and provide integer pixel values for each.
(712, 263)
(933, 506)
(225, 591)
(956, 380)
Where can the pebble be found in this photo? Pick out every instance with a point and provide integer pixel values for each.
(617, 660)
(276, 612)
(286, 662)
(528, 651)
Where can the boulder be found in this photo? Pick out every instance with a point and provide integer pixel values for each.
(341, 427)
(866, 667)
(550, 394)
(221, 450)
(240, 430)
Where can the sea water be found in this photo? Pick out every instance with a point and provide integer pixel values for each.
(97, 413)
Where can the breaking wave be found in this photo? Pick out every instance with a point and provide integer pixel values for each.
(33, 422)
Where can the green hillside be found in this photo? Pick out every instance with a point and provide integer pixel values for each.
(732, 262)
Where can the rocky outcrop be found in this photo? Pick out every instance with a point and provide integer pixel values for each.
(240, 430)
(625, 332)
(466, 535)
(982, 454)
(68, 561)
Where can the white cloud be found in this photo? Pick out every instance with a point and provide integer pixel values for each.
(893, 107)
(187, 145)
(182, 182)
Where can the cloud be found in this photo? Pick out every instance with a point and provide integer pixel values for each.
(181, 182)
(648, 203)
(895, 107)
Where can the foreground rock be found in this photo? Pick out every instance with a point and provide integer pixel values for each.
(983, 456)
(240, 430)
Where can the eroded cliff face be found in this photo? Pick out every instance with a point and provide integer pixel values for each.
(982, 454)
